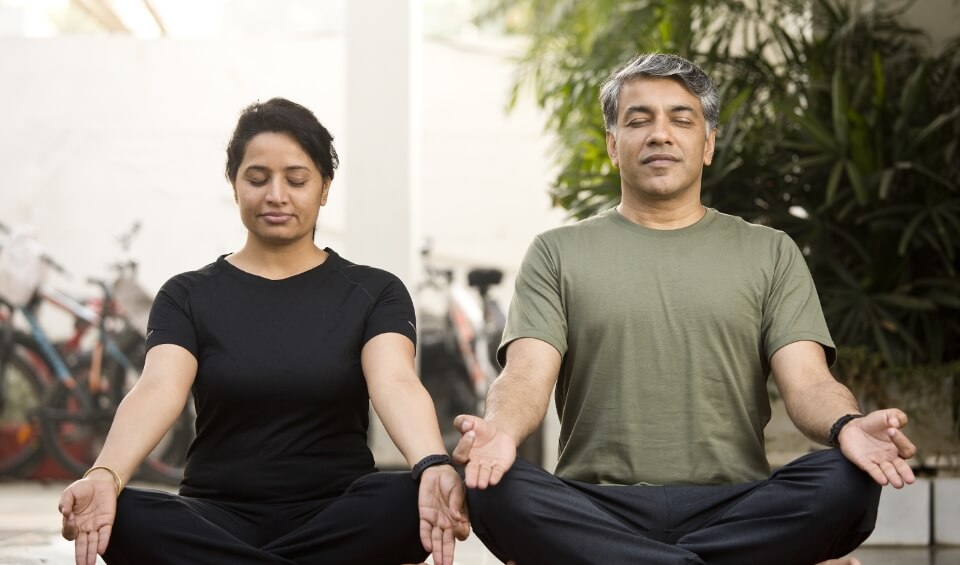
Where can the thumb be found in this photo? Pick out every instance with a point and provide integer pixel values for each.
(67, 501)
(464, 422)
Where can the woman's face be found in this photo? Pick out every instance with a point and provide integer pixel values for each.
(279, 190)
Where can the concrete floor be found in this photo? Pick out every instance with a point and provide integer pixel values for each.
(29, 534)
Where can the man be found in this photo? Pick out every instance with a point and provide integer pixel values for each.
(659, 321)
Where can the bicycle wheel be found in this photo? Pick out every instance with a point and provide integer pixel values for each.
(165, 463)
(21, 395)
(74, 420)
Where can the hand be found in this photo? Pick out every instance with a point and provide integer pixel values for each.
(875, 444)
(89, 507)
(443, 516)
(487, 451)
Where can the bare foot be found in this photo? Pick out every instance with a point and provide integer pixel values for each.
(841, 561)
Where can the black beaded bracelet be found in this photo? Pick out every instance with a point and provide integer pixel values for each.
(427, 462)
(833, 439)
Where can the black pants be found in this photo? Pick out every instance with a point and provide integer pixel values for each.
(817, 507)
(376, 521)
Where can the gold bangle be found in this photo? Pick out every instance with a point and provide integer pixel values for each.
(116, 476)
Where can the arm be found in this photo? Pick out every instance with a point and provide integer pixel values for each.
(815, 400)
(410, 419)
(516, 404)
(143, 417)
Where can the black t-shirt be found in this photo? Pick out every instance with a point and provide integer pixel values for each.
(280, 394)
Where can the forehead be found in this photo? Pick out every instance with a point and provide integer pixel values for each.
(270, 145)
(657, 93)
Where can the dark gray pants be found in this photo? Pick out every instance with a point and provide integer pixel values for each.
(375, 521)
(817, 507)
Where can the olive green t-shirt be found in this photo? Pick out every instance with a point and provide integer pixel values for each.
(666, 337)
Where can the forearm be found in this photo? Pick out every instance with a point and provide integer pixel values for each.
(816, 410)
(142, 419)
(515, 404)
(409, 416)
(813, 398)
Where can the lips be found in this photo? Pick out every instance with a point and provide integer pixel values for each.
(276, 217)
(659, 157)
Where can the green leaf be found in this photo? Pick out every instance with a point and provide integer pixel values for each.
(838, 97)
(856, 180)
(834, 182)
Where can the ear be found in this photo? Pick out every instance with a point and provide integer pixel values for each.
(709, 147)
(325, 190)
(236, 198)
(612, 148)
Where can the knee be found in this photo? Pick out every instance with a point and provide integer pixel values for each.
(848, 486)
(513, 496)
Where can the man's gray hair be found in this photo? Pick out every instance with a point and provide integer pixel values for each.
(660, 65)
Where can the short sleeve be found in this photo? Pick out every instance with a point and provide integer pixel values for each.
(792, 310)
(536, 309)
(392, 313)
(170, 320)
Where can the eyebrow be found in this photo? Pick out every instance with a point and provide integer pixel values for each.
(676, 108)
(267, 169)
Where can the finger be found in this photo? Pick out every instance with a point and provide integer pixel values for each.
(464, 423)
(66, 502)
(69, 529)
(891, 473)
(104, 539)
(876, 474)
(461, 453)
(496, 473)
(905, 447)
(483, 477)
(425, 532)
(438, 545)
(80, 549)
(92, 543)
(471, 475)
(905, 471)
(455, 502)
(462, 530)
(448, 545)
(897, 418)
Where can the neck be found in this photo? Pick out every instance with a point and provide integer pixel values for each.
(277, 262)
(668, 214)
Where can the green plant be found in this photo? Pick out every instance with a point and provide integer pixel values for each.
(839, 127)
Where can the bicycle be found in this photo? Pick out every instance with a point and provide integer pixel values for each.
(458, 347)
(87, 385)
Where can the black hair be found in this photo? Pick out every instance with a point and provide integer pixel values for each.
(280, 115)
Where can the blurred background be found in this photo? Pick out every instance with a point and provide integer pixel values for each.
(466, 127)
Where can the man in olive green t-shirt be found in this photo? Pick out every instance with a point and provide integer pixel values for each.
(658, 322)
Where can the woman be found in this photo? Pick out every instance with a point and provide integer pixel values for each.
(283, 344)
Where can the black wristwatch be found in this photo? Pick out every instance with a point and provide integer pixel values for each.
(427, 462)
(833, 439)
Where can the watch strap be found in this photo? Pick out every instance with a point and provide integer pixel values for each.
(833, 439)
(429, 461)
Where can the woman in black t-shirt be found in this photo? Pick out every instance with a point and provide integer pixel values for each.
(283, 345)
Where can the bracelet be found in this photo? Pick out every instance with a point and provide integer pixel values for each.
(116, 476)
(833, 438)
(427, 462)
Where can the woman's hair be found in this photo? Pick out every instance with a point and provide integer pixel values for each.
(279, 115)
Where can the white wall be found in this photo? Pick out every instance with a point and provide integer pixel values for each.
(98, 132)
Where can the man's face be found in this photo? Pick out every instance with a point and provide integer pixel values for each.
(660, 143)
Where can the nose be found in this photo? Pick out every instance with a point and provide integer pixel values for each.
(277, 191)
(660, 133)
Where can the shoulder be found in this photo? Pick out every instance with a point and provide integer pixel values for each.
(185, 282)
(372, 280)
(751, 234)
